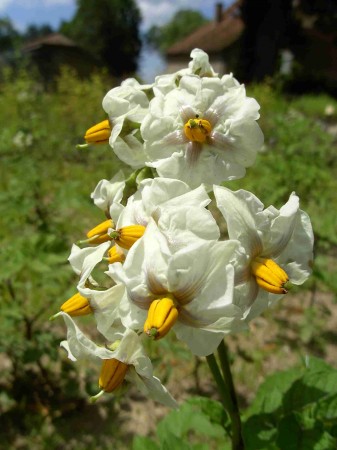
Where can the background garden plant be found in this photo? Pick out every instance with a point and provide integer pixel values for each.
(297, 154)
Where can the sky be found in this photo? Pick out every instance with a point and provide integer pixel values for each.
(53, 12)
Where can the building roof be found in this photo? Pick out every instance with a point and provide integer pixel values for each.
(54, 39)
(214, 36)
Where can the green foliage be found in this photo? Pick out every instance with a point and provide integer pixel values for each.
(45, 186)
(9, 37)
(294, 409)
(112, 36)
(198, 424)
(183, 23)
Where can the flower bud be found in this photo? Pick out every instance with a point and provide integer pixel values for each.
(99, 234)
(99, 133)
(77, 305)
(161, 317)
(112, 374)
(270, 276)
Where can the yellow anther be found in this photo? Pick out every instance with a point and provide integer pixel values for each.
(161, 317)
(77, 305)
(270, 276)
(112, 374)
(99, 133)
(125, 237)
(197, 129)
(99, 234)
(115, 255)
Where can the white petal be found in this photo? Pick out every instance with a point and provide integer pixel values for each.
(105, 305)
(108, 192)
(240, 210)
(130, 150)
(204, 341)
(83, 260)
(80, 346)
(152, 387)
(90, 256)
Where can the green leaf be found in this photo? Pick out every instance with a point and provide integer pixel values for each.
(270, 394)
(326, 409)
(211, 408)
(259, 432)
(144, 443)
(293, 436)
(310, 388)
(173, 442)
(188, 418)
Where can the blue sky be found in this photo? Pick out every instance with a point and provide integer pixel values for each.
(25, 12)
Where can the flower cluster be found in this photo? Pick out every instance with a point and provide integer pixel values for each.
(167, 267)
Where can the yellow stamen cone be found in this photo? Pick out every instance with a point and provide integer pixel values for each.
(99, 133)
(125, 237)
(197, 130)
(99, 234)
(270, 276)
(77, 305)
(112, 374)
(115, 255)
(161, 317)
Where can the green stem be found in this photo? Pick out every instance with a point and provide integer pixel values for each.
(233, 409)
(224, 394)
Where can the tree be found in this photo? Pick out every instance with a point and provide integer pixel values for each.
(35, 31)
(9, 37)
(109, 30)
(182, 24)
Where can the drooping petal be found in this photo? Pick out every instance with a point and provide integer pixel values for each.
(83, 260)
(240, 210)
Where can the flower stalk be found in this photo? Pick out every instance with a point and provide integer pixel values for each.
(227, 393)
(233, 408)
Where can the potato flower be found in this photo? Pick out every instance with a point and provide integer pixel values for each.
(123, 362)
(193, 285)
(201, 130)
(126, 106)
(276, 247)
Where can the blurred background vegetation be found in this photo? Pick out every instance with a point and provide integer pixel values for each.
(45, 206)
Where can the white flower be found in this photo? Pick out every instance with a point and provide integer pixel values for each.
(203, 130)
(104, 302)
(176, 208)
(126, 106)
(108, 195)
(129, 352)
(267, 236)
(198, 278)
